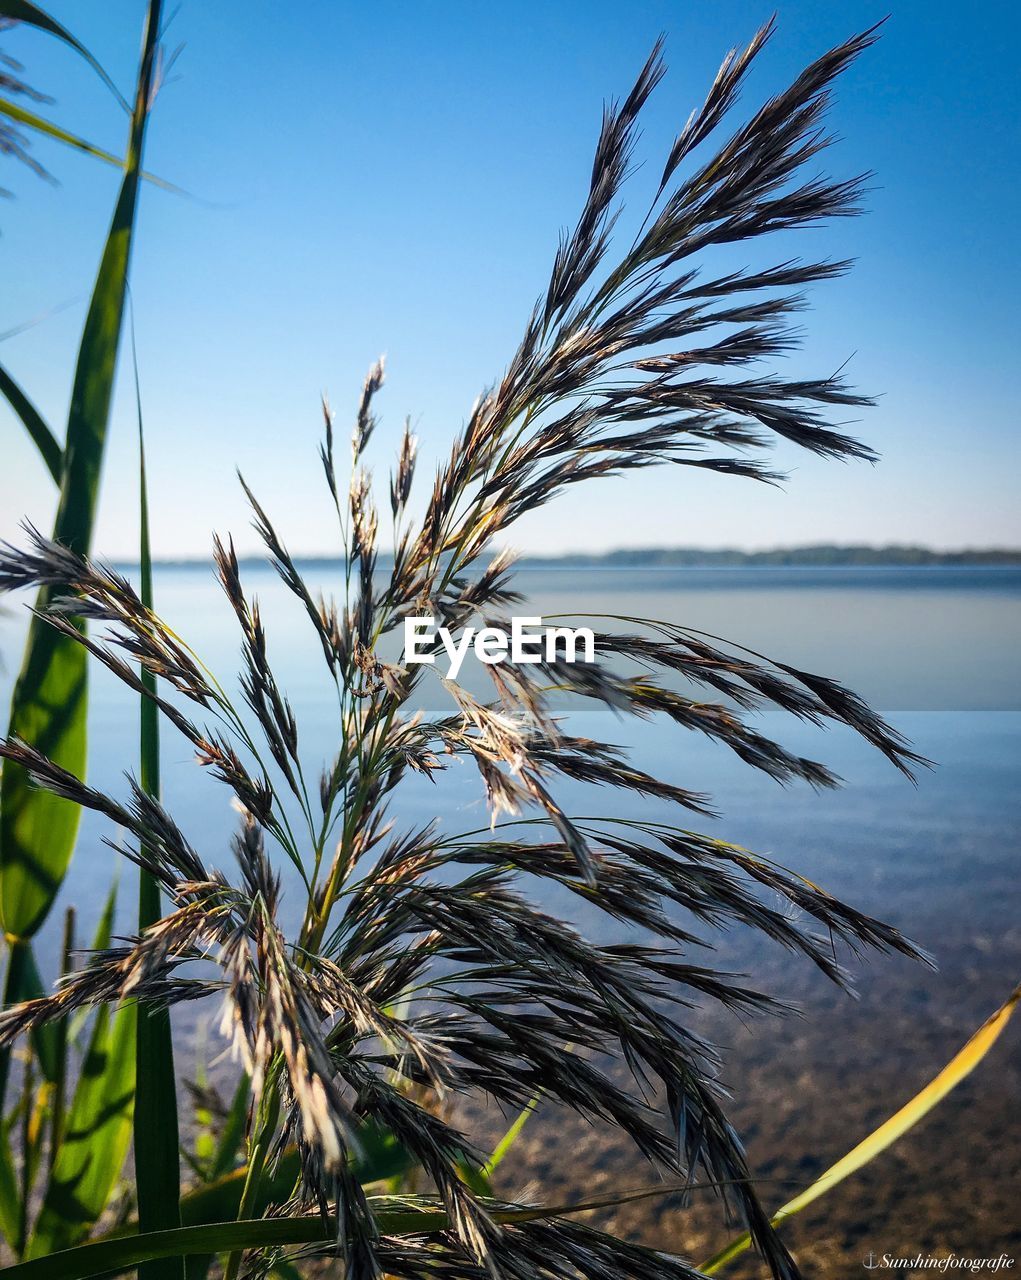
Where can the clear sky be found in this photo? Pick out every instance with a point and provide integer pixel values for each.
(392, 177)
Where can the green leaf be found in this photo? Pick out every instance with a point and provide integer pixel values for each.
(10, 1196)
(17, 985)
(104, 926)
(61, 1028)
(124, 1252)
(43, 438)
(961, 1065)
(48, 708)
(383, 1157)
(32, 15)
(34, 121)
(220, 1200)
(96, 1138)
(119, 1253)
(157, 1159)
(233, 1131)
(45, 1038)
(97, 1127)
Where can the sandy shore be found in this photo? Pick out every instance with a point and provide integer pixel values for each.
(804, 1092)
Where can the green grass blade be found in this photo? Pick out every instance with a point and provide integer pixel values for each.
(157, 1157)
(32, 15)
(97, 1134)
(24, 983)
(46, 1038)
(961, 1065)
(114, 1254)
(43, 438)
(233, 1131)
(104, 927)
(29, 1143)
(41, 125)
(125, 1252)
(10, 1196)
(220, 1200)
(38, 829)
(62, 1027)
(97, 1126)
(511, 1136)
(17, 985)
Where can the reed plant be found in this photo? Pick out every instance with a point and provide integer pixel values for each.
(82, 1124)
(424, 971)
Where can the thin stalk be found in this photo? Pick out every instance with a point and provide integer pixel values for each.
(157, 1155)
(257, 1163)
(19, 969)
(60, 1083)
(28, 1157)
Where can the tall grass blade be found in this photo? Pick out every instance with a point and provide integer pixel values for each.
(32, 15)
(17, 987)
(42, 437)
(961, 1065)
(38, 830)
(114, 1254)
(97, 1135)
(511, 1136)
(62, 1026)
(157, 1159)
(45, 1040)
(10, 1196)
(233, 1130)
(97, 1126)
(41, 125)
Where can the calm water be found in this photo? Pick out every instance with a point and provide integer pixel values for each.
(935, 649)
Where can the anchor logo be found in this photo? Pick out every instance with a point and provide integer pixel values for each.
(870, 1263)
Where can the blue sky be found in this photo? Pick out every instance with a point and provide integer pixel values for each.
(392, 178)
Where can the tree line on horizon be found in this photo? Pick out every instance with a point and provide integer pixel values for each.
(814, 555)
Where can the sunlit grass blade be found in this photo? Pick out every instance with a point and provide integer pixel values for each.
(511, 1136)
(479, 1179)
(961, 1065)
(42, 437)
(32, 120)
(32, 15)
(157, 1158)
(48, 709)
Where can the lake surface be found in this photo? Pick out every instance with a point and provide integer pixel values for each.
(935, 649)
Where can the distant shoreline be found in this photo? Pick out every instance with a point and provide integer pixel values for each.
(810, 557)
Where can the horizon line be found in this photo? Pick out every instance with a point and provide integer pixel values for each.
(831, 552)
